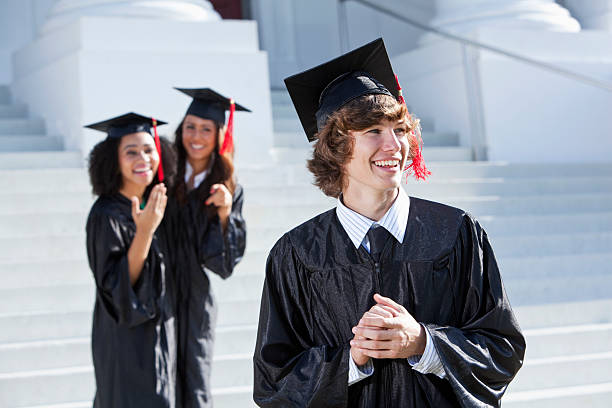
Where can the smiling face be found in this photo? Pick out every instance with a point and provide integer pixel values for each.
(199, 138)
(379, 155)
(138, 162)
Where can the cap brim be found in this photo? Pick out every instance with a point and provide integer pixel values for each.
(305, 88)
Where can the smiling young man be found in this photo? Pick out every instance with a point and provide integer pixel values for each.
(385, 300)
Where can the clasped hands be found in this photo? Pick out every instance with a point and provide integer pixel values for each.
(387, 330)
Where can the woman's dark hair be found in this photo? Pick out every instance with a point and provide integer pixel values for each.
(222, 171)
(334, 146)
(104, 173)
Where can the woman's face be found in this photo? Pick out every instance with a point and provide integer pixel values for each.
(138, 160)
(199, 137)
(379, 155)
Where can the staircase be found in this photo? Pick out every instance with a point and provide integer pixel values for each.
(550, 226)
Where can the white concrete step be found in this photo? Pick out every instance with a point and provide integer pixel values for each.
(43, 223)
(280, 97)
(558, 289)
(262, 238)
(5, 95)
(290, 133)
(26, 142)
(44, 180)
(281, 215)
(284, 111)
(555, 244)
(43, 248)
(293, 171)
(471, 170)
(231, 340)
(46, 203)
(565, 313)
(44, 355)
(57, 384)
(540, 279)
(534, 205)
(509, 187)
(82, 199)
(79, 297)
(21, 126)
(447, 190)
(49, 272)
(52, 386)
(228, 397)
(284, 155)
(23, 326)
(564, 371)
(568, 340)
(235, 369)
(13, 111)
(592, 396)
(497, 226)
(40, 160)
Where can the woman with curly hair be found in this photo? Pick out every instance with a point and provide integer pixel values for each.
(130, 238)
(210, 205)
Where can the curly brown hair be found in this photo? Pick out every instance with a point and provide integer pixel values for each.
(334, 146)
(103, 166)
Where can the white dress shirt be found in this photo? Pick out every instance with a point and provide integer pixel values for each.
(198, 178)
(395, 221)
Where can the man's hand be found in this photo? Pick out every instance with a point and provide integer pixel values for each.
(357, 355)
(387, 330)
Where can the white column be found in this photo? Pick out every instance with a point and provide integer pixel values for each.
(464, 16)
(66, 11)
(592, 14)
(98, 58)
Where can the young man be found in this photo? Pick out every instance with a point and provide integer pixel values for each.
(386, 300)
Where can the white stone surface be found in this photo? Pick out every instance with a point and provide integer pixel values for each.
(463, 16)
(527, 114)
(592, 14)
(66, 11)
(99, 67)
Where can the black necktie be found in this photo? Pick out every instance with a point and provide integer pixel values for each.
(378, 237)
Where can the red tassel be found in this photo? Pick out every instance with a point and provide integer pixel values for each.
(160, 168)
(400, 95)
(228, 140)
(417, 164)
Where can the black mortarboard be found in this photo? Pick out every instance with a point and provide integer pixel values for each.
(125, 124)
(132, 123)
(319, 91)
(208, 104)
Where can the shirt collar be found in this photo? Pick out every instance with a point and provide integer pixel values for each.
(199, 178)
(394, 220)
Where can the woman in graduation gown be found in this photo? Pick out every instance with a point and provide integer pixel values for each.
(443, 333)
(130, 234)
(210, 202)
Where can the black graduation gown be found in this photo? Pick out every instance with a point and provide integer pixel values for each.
(318, 286)
(205, 248)
(134, 334)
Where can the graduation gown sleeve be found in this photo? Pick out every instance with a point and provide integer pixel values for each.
(485, 350)
(216, 251)
(107, 247)
(290, 369)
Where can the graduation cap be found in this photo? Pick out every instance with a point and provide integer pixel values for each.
(122, 125)
(320, 91)
(208, 104)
